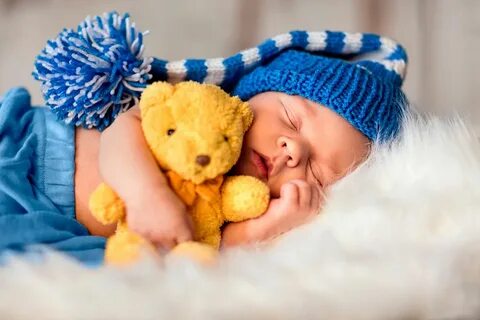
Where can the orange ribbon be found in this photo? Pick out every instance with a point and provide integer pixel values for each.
(188, 191)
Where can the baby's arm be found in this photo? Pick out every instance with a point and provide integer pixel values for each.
(128, 166)
(298, 203)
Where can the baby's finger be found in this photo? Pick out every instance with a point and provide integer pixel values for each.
(305, 193)
(184, 234)
(189, 223)
(316, 197)
(289, 193)
(321, 196)
(165, 244)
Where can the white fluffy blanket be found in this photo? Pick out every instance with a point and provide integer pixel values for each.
(398, 239)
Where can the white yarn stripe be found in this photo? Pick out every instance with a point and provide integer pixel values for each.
(176, 71)
(215, 71)
(283, 40)
(317, 40)
(398, 66)
(387, 45)
(352, 42)
(250, 56)
(128, 32)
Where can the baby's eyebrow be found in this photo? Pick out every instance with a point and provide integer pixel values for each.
(303, 108)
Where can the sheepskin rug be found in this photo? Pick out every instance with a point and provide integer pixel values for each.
(399, 238)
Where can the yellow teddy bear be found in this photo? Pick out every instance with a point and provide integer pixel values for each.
(195, 132)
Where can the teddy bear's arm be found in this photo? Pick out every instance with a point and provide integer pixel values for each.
(105, 205)
(244, 197)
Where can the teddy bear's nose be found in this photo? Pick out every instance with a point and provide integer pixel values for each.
(203, 160)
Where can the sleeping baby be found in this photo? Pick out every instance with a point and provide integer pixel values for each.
(316, 113)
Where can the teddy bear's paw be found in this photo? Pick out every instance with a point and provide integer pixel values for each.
(195, 251)
(244, 197)
(105, 205)
(126, 247)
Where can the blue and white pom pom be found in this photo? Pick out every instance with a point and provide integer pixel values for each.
(91, 75)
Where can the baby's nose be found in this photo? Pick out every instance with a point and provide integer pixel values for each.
(203, 160)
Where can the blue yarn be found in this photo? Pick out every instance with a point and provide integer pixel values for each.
(370, 42)
(234, 69)
(267, 48)
(92, 74)
(299, 38)
(369, 99)
(335, 42)
(196, 69)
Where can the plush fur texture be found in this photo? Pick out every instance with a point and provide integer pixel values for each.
(399, 238)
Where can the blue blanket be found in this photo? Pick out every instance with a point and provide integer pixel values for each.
(37, 200)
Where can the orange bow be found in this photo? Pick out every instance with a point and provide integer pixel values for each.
(188, 191)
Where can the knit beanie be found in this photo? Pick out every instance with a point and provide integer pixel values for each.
(92, 74)
(367, 96)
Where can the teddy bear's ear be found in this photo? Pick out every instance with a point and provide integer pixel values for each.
(154, 94)
(247, 115)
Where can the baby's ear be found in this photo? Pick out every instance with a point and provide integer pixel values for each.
(155, 94)
(247, 115)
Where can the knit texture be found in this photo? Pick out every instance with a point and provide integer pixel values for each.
(92, 74)
(369, 101)
(359, 76)
(378, 54)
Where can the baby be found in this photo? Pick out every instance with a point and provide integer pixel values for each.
(315, 116)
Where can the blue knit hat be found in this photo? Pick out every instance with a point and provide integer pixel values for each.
(369, 98)
(92, 74)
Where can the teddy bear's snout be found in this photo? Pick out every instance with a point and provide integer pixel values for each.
(203, 160)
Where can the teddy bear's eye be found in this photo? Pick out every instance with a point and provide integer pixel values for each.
(170, 131)
(225, 138)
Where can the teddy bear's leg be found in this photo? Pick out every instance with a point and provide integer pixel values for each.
(207, 218)
(196, 251)
(126, 246)
(212, 240)
(244, 197)
(105, 205)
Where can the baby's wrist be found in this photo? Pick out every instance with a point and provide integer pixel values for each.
(244, 233)
(145, 193)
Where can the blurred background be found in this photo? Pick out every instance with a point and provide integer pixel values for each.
(442, 37)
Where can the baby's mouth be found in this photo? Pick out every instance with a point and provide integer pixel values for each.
(261, 164)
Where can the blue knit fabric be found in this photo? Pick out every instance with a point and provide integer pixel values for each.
(370, 102)
(37, 199)
(359, 76)
(92, 74)
(382, 56)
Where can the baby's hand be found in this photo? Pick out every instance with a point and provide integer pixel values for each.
(161, 217)
(299, 202)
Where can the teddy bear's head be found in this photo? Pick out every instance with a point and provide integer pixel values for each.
(194, 129)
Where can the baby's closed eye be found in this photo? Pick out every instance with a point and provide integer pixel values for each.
(290, 116)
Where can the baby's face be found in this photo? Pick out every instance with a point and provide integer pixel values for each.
(295, 138)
